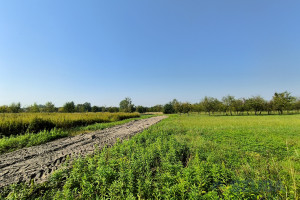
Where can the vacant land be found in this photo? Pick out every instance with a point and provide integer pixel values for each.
(187, 157)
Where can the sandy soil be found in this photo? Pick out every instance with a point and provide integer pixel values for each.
(39, 161)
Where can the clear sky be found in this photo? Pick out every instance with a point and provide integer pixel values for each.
(150, 50)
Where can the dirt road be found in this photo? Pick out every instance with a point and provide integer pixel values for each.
(39, 161)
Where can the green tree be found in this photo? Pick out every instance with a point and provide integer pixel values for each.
(156, 108)
(141, 109)
(4, 109)
(15, 108)
(297, 105)
(49, 107)
(87, 107)
(256, 104)
(210, 104)
(113, 109)
(34, 108)
(168, 108)
(96, 109)
(126, 105)
(238, 106)
(79, 108)
(69, 107)
(197, 107)
(283, 101)
(177, 106)
(186, 107)
(228, 102)
(269, 106)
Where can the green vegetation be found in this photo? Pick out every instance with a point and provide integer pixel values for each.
(230, 106)
(20, 123)
(12, 143)
(126, 105)
(187, 157)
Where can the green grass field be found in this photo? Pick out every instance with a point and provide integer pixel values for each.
(187, 157)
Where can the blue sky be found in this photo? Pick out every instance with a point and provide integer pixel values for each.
(152, 51)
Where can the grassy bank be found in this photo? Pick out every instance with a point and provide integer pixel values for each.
(187, 157)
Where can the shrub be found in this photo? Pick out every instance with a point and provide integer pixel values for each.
(168, 109)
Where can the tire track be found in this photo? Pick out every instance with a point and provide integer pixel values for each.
(39, 162)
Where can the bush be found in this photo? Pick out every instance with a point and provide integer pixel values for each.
(169, 109)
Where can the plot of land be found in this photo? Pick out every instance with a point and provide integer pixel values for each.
(38, 162)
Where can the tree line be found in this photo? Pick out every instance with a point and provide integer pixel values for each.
(68, 107)
(126, 105)
(228, 105)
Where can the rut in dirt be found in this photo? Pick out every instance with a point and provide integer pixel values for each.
(39, 162)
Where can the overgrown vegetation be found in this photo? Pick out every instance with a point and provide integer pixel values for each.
(20, 123)
(8, 144)
(187, 157)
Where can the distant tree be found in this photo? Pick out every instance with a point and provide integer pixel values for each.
(96, 109)
(197, 107)
(79, 108)
(186, 107)
(217, 105)
(4, 109)
(126, 105)
(256, 104)
(222, 108)
(228, 102)
(49, 107)
(297, 105)
(177, 106)
(141, 109)
(34, 108)
(168, 108)
(15, 108)
(247, 105)
(69, 107)
(283, 101)
(103, 109)
(87, 107)
(156, 108)
(269, 106)
(238, 106)
(113, 109)
(210, 104)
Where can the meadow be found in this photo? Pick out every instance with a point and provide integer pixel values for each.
(186, 157)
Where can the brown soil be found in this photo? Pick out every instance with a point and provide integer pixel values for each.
(39, 162)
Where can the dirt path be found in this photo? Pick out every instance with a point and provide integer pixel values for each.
(39, 161)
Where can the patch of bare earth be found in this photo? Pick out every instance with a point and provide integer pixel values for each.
(38, 162)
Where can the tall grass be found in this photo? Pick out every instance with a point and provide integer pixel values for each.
(20, 123)
(14, 142)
